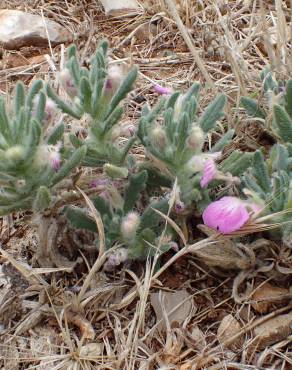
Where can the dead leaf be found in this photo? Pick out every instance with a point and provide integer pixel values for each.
(173, 307)
(228, 327)
(272, 331)
(91, 350)
(84, 325)
(198, 337)
(266, 295)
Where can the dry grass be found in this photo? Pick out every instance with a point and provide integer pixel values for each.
(90, 319)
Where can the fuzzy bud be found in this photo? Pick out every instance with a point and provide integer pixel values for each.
(195, 141)
(15, 153)
(130, 225)
(158, 136)
(115, 76)
(127, 130)
(67, 82)
(48, 155)
(50, 109)
(116, 258)
(115, 172)
(178, 107)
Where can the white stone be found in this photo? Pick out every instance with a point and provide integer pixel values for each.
(19, 29)
(112, 7)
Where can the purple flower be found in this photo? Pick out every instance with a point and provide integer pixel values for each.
(99, 183)
(209, 173)
(226, 215)
(162, 90)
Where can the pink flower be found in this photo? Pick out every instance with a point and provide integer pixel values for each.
(227, 214)
(55, 160)
(54, 156)
(209, 173)
(162, 90)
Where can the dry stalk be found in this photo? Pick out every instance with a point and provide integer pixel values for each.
(188, 41)
(102, 255)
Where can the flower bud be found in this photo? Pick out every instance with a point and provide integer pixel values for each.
(48, 155)
(158, 136)
(116, 258)
(127, 130)
(115, 76)
(130, 225)
(67, 82)
(178, 107)
(50, 109)
(15, 153)
(115, 172)
(195, 141)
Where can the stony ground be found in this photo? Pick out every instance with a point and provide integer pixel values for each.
(221, 319)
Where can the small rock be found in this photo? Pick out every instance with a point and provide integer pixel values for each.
(18, 29)
(174, 307)
(228, 327)
(266, 295)
(273, 331)
(114, 7)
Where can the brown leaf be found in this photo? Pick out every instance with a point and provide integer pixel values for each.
(198, 337)
(266, 295)
(228, 327)
(174, 307)
(274, 330)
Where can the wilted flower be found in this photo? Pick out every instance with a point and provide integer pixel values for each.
(162, 90)
(227, 214)
(130, 225)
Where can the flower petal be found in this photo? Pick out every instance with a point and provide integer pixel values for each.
(209, 173)
(162, 90)
(226, 215)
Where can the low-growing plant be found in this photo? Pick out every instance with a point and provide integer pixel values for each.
(174, 138)
(96, 93)
(127, 222)
(32, 161)
(275, 107)
(269, 184)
